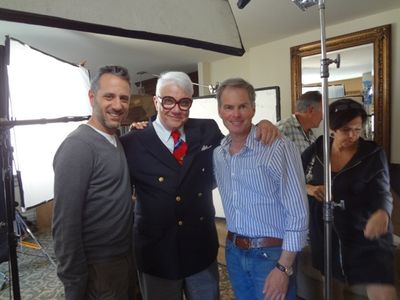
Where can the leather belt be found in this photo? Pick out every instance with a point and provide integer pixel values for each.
(244, 242)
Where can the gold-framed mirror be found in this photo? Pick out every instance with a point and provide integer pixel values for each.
(379, 38)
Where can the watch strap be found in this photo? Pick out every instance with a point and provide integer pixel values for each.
(287, 270)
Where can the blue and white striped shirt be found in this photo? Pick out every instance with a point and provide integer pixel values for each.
(263, 190)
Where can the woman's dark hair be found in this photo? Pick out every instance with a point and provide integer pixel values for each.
(343, 111)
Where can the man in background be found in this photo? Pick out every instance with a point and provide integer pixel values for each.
(308, 115)
(170, 164)
(93, 212)
(263, 195)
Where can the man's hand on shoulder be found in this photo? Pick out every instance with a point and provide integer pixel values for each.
(138, 125)
(267, 132)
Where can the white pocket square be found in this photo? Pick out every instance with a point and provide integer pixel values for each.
(205, 147)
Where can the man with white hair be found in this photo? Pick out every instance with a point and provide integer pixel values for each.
(170, 164)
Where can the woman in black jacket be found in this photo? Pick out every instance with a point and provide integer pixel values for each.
(362, 248)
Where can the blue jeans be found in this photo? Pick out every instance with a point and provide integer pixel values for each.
(248, 269)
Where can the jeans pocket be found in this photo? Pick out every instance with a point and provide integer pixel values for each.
(270, 253)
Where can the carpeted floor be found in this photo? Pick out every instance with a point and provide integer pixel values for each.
(38, 279)
(37, 276)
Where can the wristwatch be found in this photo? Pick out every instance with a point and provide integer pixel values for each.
(287, 270)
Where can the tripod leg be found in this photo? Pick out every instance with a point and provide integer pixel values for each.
(21, 221)
(3, 280)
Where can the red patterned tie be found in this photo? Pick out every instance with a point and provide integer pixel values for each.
(180, 146)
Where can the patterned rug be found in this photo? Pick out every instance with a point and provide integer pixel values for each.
(38, 279)
(37, 276)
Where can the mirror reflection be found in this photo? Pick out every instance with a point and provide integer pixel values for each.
(353, 79)
(365, 56)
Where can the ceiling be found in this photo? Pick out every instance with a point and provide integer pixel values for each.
(260, 22)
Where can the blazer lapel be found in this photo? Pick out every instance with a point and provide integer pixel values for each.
(156, 147)
(193, 138)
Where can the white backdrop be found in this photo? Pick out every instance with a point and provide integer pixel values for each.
(42, 87)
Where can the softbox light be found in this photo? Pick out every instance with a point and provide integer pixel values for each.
(41, 87)
(206, 24)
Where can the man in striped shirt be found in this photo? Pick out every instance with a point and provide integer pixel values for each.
(263, 195)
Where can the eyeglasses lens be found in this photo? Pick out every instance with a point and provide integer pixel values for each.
(170, 102)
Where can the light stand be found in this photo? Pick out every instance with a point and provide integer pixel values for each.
(9, 192)
(22, 227)
(328, 206)
(327, 214)
(8, 179)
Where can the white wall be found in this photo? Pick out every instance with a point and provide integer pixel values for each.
(269, 65)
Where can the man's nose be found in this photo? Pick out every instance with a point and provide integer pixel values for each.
(236, 112)
(176, 108)
(117, 104)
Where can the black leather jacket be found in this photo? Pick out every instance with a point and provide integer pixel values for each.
(363, 185)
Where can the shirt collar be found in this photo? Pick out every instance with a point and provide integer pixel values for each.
(250, 140)
(293, 121)
(310, 134)
(109, 137)
(164, 133)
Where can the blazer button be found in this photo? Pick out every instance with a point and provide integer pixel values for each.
(178, 198)
(201, 218)
(161, 179)
(199, 195)
(180, 223)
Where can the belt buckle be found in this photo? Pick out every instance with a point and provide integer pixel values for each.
(236, 240)
(241, 242)
(245, 243)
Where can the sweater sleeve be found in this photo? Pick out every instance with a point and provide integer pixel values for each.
(72, 168)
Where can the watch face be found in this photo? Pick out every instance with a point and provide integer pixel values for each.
(289, 271)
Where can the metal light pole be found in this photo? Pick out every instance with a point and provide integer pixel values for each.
(328, 204)
(327, 208)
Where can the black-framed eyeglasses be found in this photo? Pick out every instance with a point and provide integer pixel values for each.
(169, 102)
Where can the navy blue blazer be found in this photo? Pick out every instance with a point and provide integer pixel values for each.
(175, 233)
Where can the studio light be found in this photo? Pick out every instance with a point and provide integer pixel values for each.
(211, 88)
(38, 89)
(35, 80)
(304, 4)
